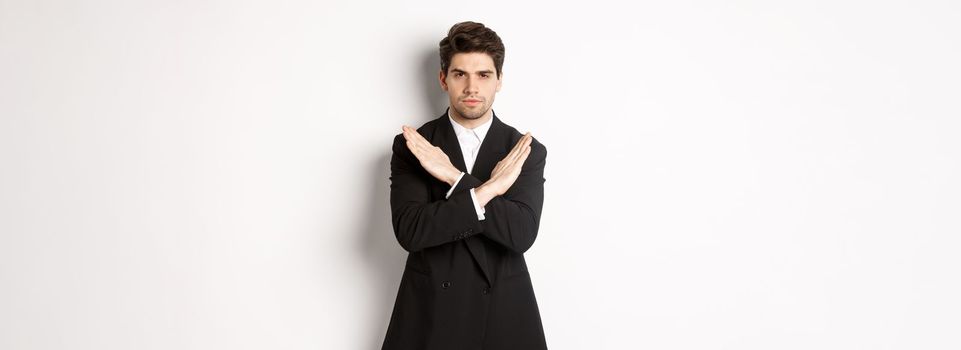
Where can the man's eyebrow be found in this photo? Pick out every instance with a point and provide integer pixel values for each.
(458, 70)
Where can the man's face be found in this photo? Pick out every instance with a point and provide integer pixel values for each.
(471, 83)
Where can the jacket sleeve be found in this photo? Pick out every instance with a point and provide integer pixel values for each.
(513, 218)
(418, 222)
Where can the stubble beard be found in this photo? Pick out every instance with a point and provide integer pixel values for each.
(472, 115)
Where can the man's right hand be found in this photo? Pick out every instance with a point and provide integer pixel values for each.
(431, 158)
(505, 172)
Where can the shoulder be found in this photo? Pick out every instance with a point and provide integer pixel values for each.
(538, 149)
(515, 135)
(427, 131)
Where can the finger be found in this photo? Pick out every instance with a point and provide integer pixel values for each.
(518, 165)
(522, 144)
(421, 143)
(519, 162)
(527, 152)
(411, 135)
(413, 132)
(516, 149)
(523, 156)
(515, 168)
(417, 138)
(520, 141)
(413, 138)
(413, 149)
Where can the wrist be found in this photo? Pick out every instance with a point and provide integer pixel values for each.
(484, 194)
(490, 189)
(454, 174)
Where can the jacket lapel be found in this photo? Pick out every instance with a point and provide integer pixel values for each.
(447, 141)
(491, 151)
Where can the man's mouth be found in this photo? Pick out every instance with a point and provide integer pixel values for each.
(472, 102)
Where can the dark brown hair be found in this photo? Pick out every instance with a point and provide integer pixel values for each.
(468, 37)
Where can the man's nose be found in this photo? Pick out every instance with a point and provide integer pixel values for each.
(471, 86)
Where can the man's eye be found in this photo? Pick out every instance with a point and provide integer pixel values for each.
(484, 75)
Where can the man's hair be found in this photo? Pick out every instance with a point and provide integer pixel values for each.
(469, 37)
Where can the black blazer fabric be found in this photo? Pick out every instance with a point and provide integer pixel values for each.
(465, 285)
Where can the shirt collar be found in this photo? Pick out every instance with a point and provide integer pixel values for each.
(480, 130)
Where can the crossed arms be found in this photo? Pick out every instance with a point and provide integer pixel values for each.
(511, 199)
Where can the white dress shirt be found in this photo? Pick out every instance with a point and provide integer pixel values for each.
(470, 141)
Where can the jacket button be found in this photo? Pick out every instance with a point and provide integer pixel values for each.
(486, 291)
(445, 284)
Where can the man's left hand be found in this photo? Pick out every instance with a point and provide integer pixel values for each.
(431, 157)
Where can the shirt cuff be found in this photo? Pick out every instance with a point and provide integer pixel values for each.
(480, 211)
(454, 186)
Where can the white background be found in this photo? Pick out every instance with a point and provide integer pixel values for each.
(720, 175)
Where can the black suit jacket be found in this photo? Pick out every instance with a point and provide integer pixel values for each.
(465, 284)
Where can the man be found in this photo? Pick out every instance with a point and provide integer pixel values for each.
(466, 194)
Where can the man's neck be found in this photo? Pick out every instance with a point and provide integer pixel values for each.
(470, 123)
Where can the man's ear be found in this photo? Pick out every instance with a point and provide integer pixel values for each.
(500, 79)
(441, 75)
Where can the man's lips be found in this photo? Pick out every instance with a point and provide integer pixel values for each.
(472, 102)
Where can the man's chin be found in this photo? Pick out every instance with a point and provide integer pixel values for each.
(472, 115)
